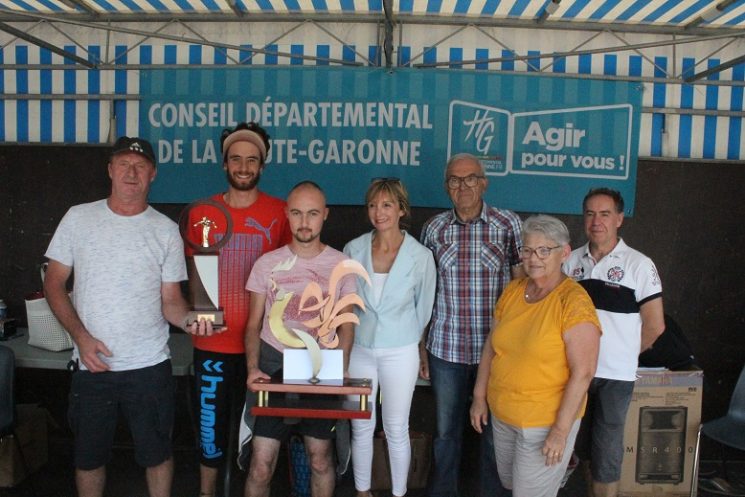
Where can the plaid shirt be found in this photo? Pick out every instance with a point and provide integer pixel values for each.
(473, 267)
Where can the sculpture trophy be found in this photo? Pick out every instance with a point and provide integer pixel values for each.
(205, 226)
(308, 368)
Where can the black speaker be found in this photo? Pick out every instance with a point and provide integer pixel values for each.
(660, 453)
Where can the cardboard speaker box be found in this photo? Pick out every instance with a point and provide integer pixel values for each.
(31, 437)
(421, 459)
(660, 434)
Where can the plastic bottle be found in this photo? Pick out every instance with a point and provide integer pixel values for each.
(3, 309)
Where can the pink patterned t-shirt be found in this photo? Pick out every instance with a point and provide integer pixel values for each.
(275, 273)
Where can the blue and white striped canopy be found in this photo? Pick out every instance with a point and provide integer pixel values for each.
(639, 13)
(687, 54)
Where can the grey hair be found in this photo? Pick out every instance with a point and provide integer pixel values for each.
(464, 156)
(548, 226)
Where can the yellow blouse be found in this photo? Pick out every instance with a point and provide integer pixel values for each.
(530, 369)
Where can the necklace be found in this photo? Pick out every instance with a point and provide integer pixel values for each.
(527, 292)
(541, 292)
(534, 297)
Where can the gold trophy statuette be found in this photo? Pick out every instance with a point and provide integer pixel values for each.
(207, 225)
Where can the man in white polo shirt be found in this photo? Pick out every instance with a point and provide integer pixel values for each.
(626, 290)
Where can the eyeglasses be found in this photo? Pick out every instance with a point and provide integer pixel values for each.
(385, 180)
(541, 252)
(454, 182)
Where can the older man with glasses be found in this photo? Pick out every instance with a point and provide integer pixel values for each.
(476, 251)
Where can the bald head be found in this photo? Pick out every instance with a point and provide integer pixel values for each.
(307, 187)
(306, 212)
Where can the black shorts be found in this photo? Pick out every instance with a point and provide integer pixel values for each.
(146, 399)
(270, 362)
(280, 429)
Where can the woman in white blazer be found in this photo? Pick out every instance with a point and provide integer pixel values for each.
(398, 308)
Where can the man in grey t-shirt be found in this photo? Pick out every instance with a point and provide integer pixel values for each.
(128, 262)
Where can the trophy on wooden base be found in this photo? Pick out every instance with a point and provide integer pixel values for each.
(306, 367)
(197, 221)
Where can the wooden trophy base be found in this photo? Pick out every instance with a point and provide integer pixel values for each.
(320, 408)
(215, 315)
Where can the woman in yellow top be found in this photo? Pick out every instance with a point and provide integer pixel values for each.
(538, 362)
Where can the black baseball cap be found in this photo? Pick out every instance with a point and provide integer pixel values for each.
(136, 145)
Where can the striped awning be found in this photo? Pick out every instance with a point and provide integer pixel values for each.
(641, 14)
(687, 54)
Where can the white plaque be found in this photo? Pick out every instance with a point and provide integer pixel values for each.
(297, 367)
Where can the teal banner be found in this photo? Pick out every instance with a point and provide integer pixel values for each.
(544, 140)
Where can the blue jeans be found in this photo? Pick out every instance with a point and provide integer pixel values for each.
(600, 438)
(452, 384)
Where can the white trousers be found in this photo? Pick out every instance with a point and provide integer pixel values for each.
(395, 370)
(521, 465)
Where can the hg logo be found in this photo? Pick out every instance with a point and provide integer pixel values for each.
(481, 131)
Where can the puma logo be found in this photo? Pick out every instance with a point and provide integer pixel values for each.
(253, 223)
